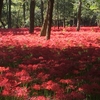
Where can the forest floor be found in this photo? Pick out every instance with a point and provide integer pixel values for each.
(66, 67)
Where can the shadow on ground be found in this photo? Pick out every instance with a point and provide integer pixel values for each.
(81, 66)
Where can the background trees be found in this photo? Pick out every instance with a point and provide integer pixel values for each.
(64, 13)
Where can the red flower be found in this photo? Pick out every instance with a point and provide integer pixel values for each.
(67, 81)
(3, 81)
(6, 92)
(50, 85)
(40, 98)
(36, 87)
(77, 96)
(23, 76)
(21, 92)
(42, 76)
(86, 88)
(2, 69)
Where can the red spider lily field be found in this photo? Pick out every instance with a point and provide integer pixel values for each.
(66, 67)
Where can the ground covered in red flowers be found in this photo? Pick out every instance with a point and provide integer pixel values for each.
(66, 67)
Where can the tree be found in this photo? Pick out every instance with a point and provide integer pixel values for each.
(96, 8)
(42, 7)
(1, 5)
(24, 11)
(32, 9)
(65, 12)
(9, 14)
(57, 14)
(46, 27)
(79, 15)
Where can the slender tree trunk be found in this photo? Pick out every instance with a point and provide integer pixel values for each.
(7, 3)
(42, 8)
(9, 14)
(57, 16)
(64, 22)
(24, 11)
(49, 22)
(46, 27)
(1, 5)
(32, 10)
(64, 15)
(2, 23)
(17, 21)
(79, 15)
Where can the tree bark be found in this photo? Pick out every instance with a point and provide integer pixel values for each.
(24, 11)
(79, 15)
(49, 22)
(2, 23)
(9, 14)
(42, 8)
(32, 10)
(1, 5)
(57, 15)
(46, 27)
(64, 15)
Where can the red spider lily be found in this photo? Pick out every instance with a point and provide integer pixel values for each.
(59, 94)
(86, 88)
(42, 76)
(36, 87)
(21, 92)
(22, 73)
(2, 69)
(50, 85)
(77, 96)
(6, 92)
(67, 81)
(33, 67)
(70, 61)
(23, 76)
(3, 81)
(40, 98)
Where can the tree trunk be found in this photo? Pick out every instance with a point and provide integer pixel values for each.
(46, 27)
(64, 22)
(42, 7)
(2, 23)
(24, 11)
(1, 5)
(49, 22)
(64, 15)
(9, 14)
(79, 15)
(57, 15)
(32, 10)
